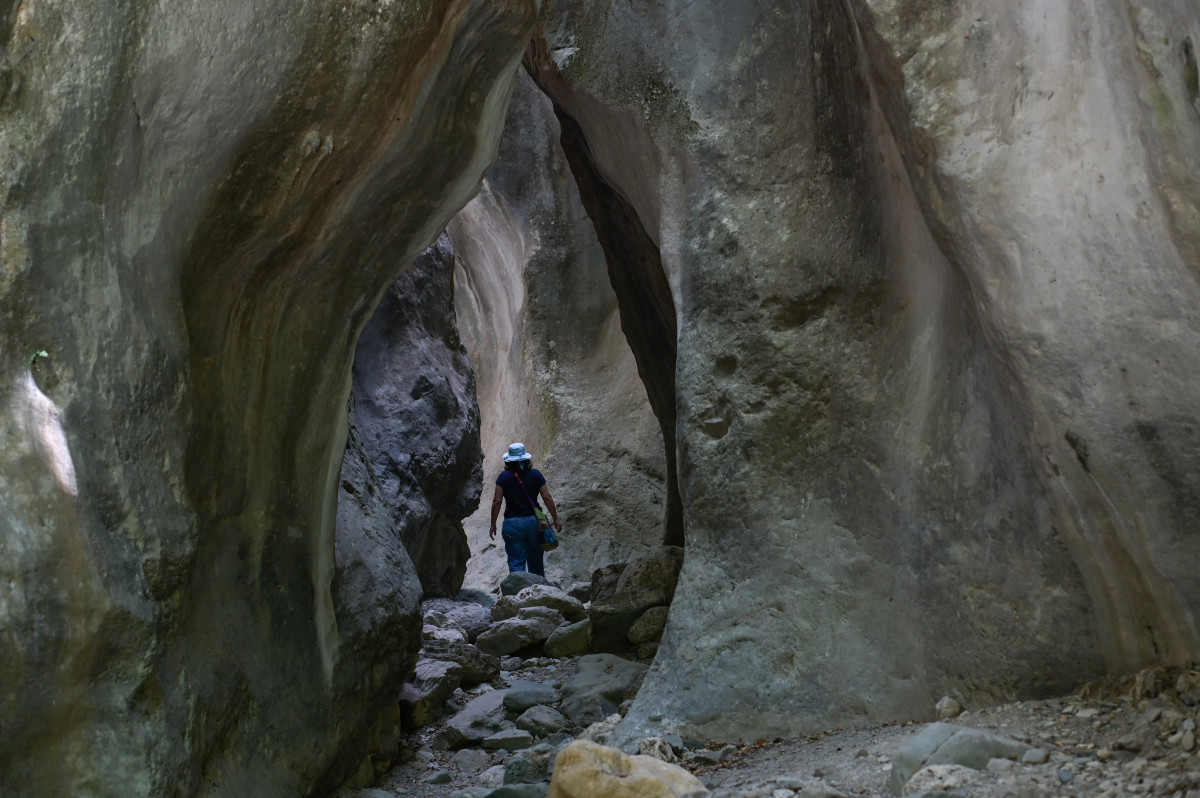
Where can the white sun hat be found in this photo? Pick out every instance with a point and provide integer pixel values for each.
(517, 452)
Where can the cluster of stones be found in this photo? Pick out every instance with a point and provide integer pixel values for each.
(506, 732)
(1131, 736)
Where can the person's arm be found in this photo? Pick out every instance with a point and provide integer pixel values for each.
(545, 491)
(497, 498)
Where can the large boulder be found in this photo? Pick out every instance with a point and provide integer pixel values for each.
(604, 581)
(541, 720)
(524, 694)
(517, 581)
(466, 615)
(482, 717)
(570, 640)
(539, 596)
(613, 617)
(655, 570)
(415, 409)
(648, 627)
(587, 770)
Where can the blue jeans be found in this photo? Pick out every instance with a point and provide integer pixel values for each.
(523, 544)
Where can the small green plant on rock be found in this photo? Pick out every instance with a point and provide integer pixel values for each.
(37, 355)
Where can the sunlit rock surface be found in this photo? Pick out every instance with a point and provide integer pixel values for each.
(199, 205)
(554, 370)
(935, 272)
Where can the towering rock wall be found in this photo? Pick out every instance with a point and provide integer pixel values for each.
(934, 267)
(554, 369)
(199, 205)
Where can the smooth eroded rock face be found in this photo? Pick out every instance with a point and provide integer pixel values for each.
(200, 205)
(586, 770)
(936, 292)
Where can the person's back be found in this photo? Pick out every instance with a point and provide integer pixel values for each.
(518, 488)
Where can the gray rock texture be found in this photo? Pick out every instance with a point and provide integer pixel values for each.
(199, 206)
(426, 691)
(934, 274)
(476, 665)
(525, 694)
(541, 720)
(514, 634)
(479, 719)
(947, 744)
(570, 640)
(468, 616)
(600, 684)
(416, 416)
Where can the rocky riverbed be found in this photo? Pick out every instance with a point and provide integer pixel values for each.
(496, 725)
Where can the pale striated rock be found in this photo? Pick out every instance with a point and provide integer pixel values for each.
(940, 777)
(948, 744)
(465, 615)
(586, 770)
(658, 748)
(547, 596)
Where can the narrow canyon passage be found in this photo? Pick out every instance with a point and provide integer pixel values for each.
(888, 310)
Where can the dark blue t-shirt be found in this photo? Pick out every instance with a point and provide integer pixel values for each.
(516, 505)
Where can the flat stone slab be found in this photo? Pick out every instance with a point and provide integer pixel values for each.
(525, 694)
(508, 740)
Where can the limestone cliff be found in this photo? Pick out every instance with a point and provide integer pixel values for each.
(910, 287)
(200, 205)
(934, 270)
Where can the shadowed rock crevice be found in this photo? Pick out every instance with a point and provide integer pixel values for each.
(415, 420)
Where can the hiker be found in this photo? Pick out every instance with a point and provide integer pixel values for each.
(519, 486)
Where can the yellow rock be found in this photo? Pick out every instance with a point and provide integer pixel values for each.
(586, 770)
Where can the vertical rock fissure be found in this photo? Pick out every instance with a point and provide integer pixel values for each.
(643, 296)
